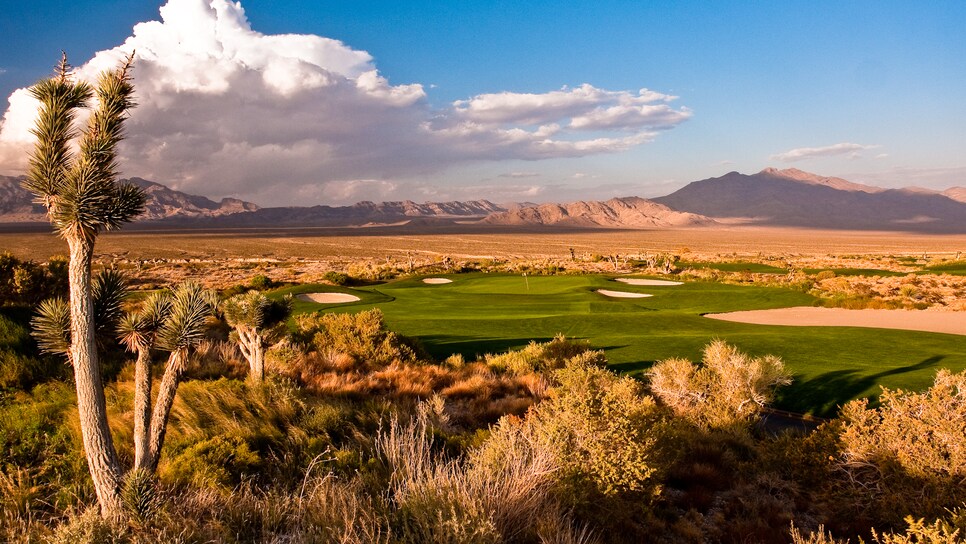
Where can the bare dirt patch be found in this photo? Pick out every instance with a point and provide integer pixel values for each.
(437, 281)
(642, 281)
(622, 294)
(327, 298)
(807, 316)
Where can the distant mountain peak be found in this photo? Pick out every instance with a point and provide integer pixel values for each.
(624, 213)
(796, 198)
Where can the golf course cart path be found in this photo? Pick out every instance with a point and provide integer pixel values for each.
(327, 298)
(437, 281)
(642, 281)
(622, 294)
(810, 316)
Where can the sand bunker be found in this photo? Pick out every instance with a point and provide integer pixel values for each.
(622, 294)
(327, 298)
(642, 281)
(807, 316)
(437, 281)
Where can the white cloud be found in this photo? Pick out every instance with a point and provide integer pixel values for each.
(852, 151)
(224, 109)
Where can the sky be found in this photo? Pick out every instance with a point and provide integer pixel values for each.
(332, 102)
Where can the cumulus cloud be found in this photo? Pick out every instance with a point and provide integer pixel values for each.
(278, 119)
(851, 150)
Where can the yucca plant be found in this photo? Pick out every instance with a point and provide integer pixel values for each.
(82, 197)
(183, 329)
(172, 321)
(256, 320)
(138, 332)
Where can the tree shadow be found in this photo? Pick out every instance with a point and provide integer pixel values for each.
(440, 346)
(824, 394)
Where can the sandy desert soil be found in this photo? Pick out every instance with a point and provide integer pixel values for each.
(641, 281)
(928, 321)
(231, 257)
(734, 242)
(327, 298)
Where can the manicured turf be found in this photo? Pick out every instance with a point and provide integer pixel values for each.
(956, 268)
(480, 313)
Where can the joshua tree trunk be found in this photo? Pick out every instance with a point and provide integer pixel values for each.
(177, 362)
(142, 408)
(102, 459)
(250, 343)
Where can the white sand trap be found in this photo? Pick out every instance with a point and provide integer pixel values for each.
(437, 281)
(622, 294)
(808, 316)
(642, 281)
(327, 298)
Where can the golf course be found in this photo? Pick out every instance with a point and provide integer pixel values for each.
(480, 313)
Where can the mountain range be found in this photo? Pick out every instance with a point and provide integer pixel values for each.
(801, 199)
(771, 197)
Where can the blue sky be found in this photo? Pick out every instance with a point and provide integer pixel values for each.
(871, 91)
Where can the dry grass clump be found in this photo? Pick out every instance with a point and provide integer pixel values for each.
(726, 390)
(479, 499)
(909, 454)
(545, 357)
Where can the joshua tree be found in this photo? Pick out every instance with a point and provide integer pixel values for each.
(256, 320)
(138, 331)
(82, 197)
(183, 328)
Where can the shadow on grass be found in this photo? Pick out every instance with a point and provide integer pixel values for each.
(824, 394)
(441, 346)
(632, 368)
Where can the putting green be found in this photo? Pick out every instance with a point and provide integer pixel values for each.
(485, 313)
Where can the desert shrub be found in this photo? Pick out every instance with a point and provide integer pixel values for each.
(337, 278)
(40, 449)
(726, 390)
(27, 283)
(949, 529)
(824, 275)
(21, 366)
(605, 436)
(261, 282)
(362, 337)
(545, 357)
(218, 462)
(906, 457)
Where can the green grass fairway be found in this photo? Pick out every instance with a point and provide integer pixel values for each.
(956, 268)
(481, 313)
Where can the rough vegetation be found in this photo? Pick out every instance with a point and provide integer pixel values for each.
(356, 435)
